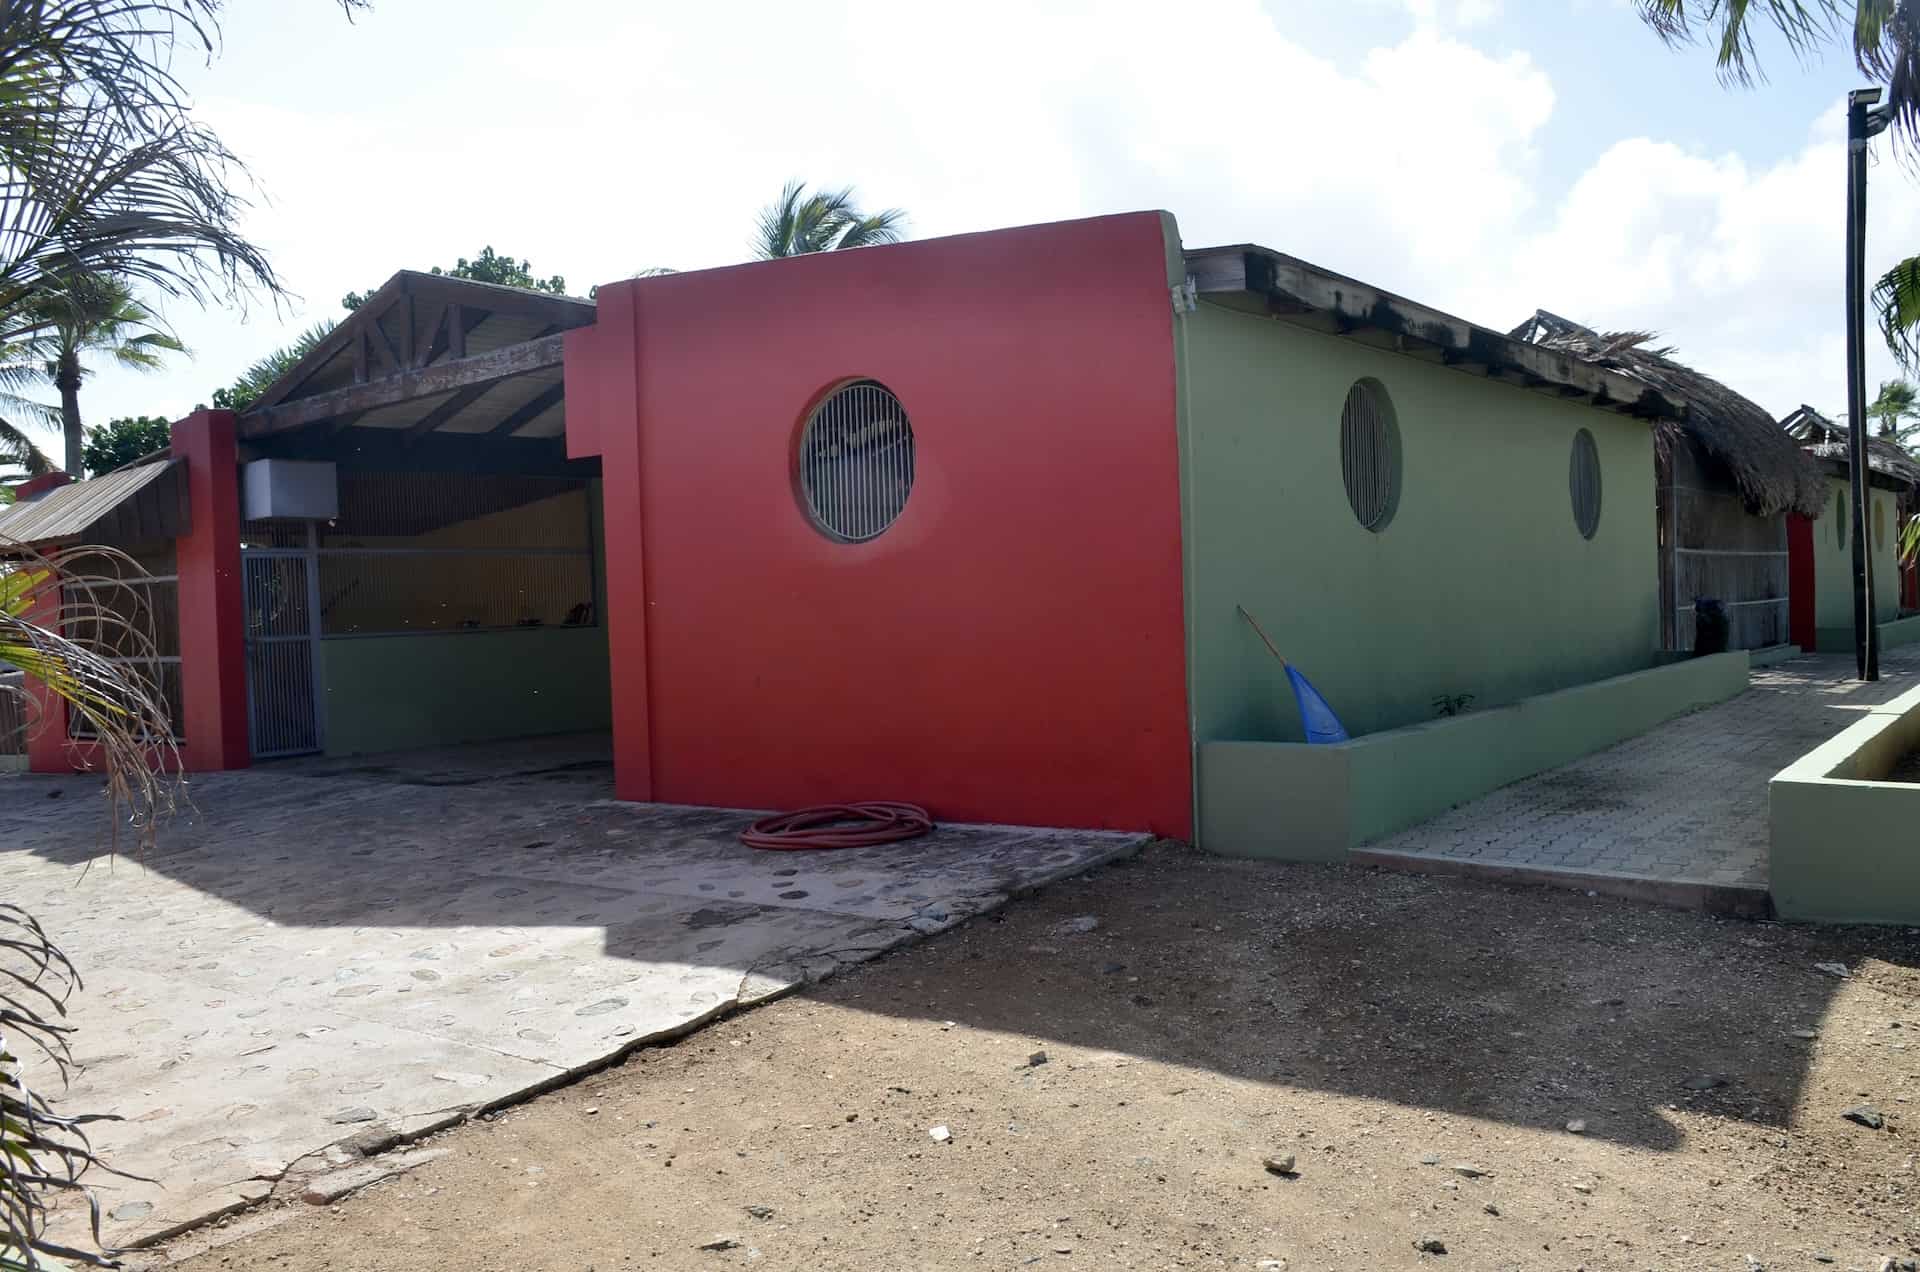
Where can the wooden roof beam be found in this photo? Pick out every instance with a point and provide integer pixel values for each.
(500, 364)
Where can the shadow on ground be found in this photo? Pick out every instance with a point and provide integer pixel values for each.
(1512, 1004)
(321, 937)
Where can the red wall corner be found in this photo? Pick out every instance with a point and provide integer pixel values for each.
(1013, 648)
(1801, 609)
(213, 658)
(600, 367)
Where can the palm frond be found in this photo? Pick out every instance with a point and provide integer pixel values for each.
(16, 447)
(1896, 298)
(874, 229)
(1886, 46)
(145, 352)
(776, 223)
(1730, 25)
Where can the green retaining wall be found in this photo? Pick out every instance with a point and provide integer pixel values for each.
(1480, 585)
(1295, 802)
(1843, 847)
(398, 693)
(1833, 567)
(1839, 640)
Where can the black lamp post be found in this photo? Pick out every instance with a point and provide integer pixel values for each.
(1865, 118)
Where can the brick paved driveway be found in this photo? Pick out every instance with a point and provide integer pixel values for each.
(1678, 814)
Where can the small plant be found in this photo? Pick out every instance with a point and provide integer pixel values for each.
(1451, 704)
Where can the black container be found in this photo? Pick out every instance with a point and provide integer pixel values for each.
(1709, 626)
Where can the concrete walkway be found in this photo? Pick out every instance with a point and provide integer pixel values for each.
(356, 951)
(1678, 815)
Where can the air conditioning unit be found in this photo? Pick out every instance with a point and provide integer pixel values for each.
(305, 489)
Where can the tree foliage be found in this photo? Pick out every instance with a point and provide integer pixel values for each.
(487, 267)
(257, 378)
(94, 314)
(119, 442)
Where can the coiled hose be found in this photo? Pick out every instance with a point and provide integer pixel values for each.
(859, 825)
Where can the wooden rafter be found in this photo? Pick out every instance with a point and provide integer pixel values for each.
(529, 411)
(460, 401)
(404, 348)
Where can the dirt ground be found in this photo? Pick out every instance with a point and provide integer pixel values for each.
(1531, 1079)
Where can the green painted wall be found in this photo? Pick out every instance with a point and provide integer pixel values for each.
(1841, 846)
(1480, 585)
(397, 693)
(1833, 565)
(1295, 802)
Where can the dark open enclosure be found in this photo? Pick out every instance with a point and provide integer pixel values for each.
(456, 595)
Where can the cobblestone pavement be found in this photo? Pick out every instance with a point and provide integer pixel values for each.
(1682, 808)
(328, 950)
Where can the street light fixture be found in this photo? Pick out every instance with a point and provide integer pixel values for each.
(1866, 118)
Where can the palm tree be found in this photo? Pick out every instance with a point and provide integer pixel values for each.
(1885, 35)
(95, 314)
(23, 371)
(823, 221)
(1897, 404)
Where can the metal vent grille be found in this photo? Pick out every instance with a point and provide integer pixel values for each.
(1370, 454)
(856, 461)
(1583, 483)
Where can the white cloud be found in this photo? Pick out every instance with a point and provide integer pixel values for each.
(653, 141)
(1740, 268)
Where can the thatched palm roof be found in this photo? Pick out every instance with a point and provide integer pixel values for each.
(1768, 467)
(1822, 437)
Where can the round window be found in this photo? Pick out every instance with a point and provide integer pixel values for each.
(1840, 518)
(1370, 454)
(1583, 483)
(856, 461)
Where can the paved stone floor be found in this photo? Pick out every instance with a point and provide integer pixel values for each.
(1678, 814)
(325, 949)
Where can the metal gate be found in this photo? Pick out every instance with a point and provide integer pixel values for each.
(284, 715)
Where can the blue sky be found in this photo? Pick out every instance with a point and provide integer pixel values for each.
(1483, 156)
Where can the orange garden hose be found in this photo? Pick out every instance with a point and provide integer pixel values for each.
(838, 826)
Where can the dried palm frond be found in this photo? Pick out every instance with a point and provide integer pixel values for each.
(43, 1153)
(1767, 466)
(81, 625)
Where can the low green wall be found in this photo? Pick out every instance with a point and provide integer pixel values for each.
(1295, 802)
(397, 693)
(1843, 846)
(1839, 640)
(1903, 631)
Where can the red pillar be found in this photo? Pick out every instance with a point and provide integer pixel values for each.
(213, 656)
(603, 418)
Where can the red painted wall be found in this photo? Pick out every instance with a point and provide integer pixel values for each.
(1012, 649)
(1800, 593)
